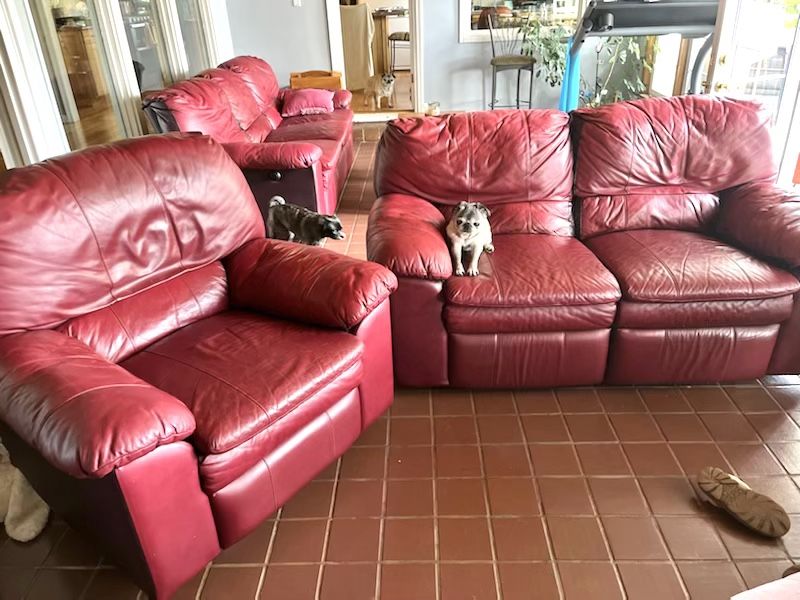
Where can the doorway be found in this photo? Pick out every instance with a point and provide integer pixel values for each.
(375, 43)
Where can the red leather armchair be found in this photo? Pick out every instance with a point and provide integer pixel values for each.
(681, 271)
(305, 158)
(168, 376)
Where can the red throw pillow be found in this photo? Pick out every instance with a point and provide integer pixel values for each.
(308, 101)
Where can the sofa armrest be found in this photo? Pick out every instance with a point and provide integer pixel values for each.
(342, 98)
(83, 414)
(305, 283)
(407, 235)
(764, 219)
(274, 155)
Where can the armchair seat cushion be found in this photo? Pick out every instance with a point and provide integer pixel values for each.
(682, 266)
(242, 374)
(525, 277)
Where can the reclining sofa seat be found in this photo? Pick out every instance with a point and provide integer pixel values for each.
(677, 198)
(541, 311)
(306, 158)
(168, 376)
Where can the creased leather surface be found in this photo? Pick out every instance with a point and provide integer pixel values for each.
(239, 373)
(79, 232)
(493, 157)
(523, 360)
(218, 470)
(786, 357)
(342, 98)
(471, 319)
(245, 110)
(244, 503)
(259, 77)
(702, 355)
(686, 143)
(764, 219)
(680, 266)
(653, 210)
(337, 130)
(287, 155)
(406, 235)
(307, 284)
(200, 105)
(718, 313)
(117, 331)
(535, 270)
(85, 415)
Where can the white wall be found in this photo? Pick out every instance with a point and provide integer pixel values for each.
(288, 38)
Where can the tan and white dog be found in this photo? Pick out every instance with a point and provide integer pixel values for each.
(379, 87)
(469, 231)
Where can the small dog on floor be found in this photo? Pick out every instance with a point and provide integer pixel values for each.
(299, 224)
(379, 87)
(469, 231)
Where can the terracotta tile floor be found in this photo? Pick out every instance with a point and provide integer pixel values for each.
(575, 493)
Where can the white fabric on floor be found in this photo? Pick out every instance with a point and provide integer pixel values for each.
(21, 509)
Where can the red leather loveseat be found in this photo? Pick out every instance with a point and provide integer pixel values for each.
(168, 376)
(305, 159)
(662, 254)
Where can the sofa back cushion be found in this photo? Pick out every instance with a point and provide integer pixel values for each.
(518, 163)
(259, 77)
(243, 105)
(200, 105)
(110, 225)
(659, 163)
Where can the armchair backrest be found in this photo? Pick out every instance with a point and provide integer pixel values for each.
(237, 102)
(660, 163)
(120, 244)
(518, 163)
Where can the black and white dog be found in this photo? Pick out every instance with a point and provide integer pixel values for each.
(299, 224)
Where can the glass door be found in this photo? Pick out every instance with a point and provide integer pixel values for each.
(144, 33)
(69, 38)
(191, 25)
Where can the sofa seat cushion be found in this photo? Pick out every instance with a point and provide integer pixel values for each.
(524, 279)
(242, 374)
(682, 266)
(342, 115)
(337, 131)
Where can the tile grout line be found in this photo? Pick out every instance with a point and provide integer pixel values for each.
(435, 472)
(486, 505)
(328, 524)
(272, 535)
(545, 526)
(384, 502)
(673, 562)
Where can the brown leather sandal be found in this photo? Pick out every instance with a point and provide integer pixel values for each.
(757, 511)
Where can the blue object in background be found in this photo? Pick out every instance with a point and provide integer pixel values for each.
(571, 83)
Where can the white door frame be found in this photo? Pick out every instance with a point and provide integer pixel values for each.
(336, 44)
(28, 97)
(216, 31)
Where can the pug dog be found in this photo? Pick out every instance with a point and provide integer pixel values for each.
(379, 87)
(469, 231)
(299, 224)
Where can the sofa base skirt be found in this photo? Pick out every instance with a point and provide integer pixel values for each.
(241, 505)
(528, 360)
(701, 355)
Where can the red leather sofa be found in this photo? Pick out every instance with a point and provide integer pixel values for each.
(637, 243)
(305, 159)
(168, 376)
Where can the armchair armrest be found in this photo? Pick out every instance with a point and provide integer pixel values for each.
(763, 219)
(83, 414)
(307, 284)
(342, 98)
(407, 235)
(274, 155)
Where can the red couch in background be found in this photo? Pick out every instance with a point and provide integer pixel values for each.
(305, 159)
(168, 376)
(647, 245)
